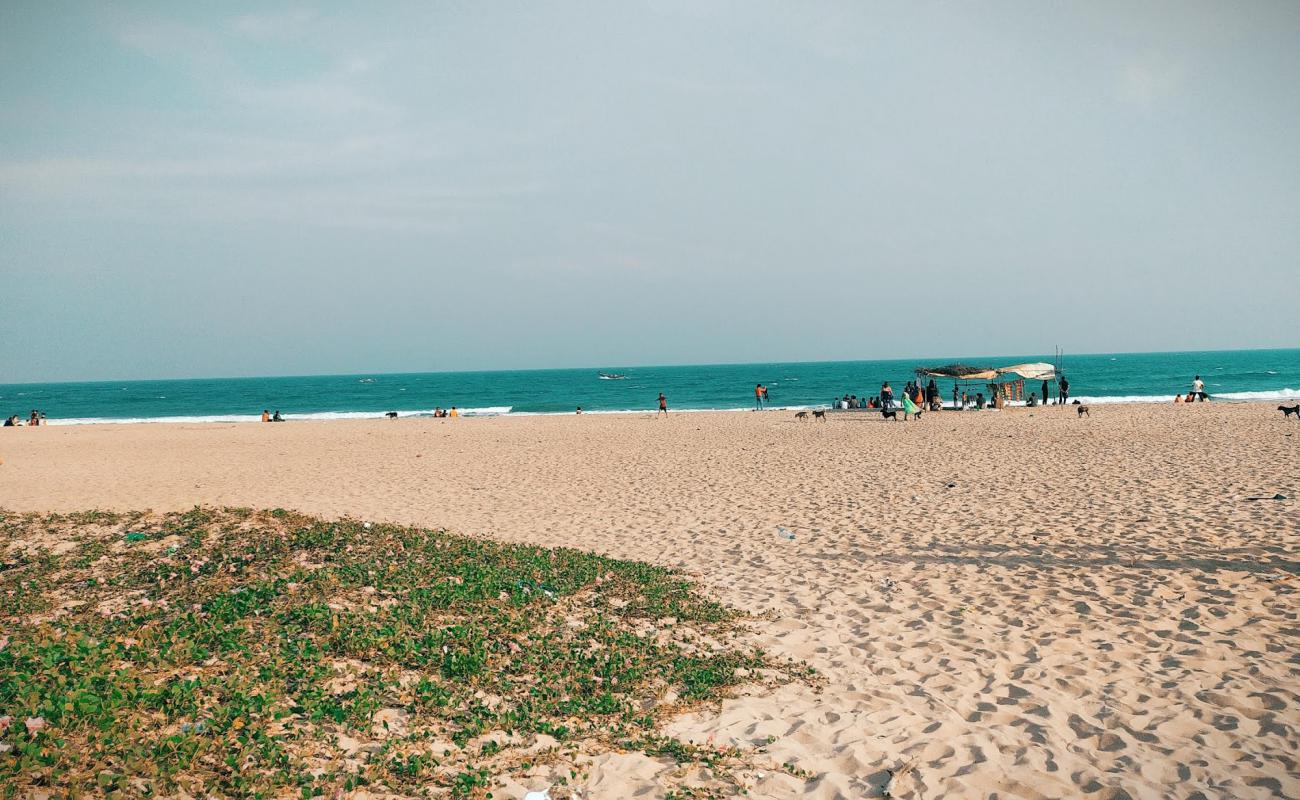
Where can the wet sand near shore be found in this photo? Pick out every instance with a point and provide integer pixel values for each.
(1021, 603)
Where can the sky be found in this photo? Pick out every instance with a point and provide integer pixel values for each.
(217, 189)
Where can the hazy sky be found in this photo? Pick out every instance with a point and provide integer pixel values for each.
(201, 189)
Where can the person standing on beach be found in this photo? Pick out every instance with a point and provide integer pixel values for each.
(1198, 390)
(758, 397)
(1046, 399)
(1062, 391)
(663, 405)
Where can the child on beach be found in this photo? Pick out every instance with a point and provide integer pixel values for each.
(663, 405)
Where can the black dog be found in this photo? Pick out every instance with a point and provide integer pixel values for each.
(1286, 412)
(802, 416)
(821, 415)
(391, 415)
(889, 413)
(1083, 410)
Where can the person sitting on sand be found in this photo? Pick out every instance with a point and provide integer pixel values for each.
(1033, 400)
(579, 409)
(1190, 398)
(453, 412)
(266, 415)
(11, 422)
(277, 417)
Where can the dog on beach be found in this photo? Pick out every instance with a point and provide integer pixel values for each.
(391, 415)
(802, 416)
(821, 415)
(889, 413)
(1288, 411)
(1083, 411)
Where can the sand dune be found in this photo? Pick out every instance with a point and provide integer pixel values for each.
(1011, 604)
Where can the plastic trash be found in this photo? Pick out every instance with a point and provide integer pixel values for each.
(785, 533)
(544, 794)
(1274, 497)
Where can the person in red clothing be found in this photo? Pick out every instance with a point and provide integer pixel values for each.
(663, 405)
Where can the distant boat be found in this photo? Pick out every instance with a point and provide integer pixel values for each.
(612, 376)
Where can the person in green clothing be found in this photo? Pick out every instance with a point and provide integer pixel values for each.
(910, 407)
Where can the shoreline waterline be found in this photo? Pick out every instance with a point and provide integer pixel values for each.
(343, 416)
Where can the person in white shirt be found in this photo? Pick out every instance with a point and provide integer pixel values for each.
(1198, 389)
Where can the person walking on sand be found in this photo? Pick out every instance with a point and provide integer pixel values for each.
(910, 406)
(1198, 390)
(758, 397)
(886, 396)
(663, 405)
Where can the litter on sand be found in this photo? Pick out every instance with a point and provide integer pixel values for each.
(1274, 497)
(785, 533)
(544, 794)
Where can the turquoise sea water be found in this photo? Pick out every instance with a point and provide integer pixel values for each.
(1129, 377)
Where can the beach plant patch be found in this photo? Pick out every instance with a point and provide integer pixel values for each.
(270, 654)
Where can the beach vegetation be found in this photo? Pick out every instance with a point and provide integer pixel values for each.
(271, 654)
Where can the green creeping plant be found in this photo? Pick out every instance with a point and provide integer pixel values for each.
(260, 643)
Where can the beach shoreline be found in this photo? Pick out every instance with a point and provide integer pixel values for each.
(344, 416)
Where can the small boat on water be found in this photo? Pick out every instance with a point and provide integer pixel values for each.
(612, 376)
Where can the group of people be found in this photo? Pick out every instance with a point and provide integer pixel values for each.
(36, 418)
(267, 417)
(1196, 395)
(917, 398)
(442, 412)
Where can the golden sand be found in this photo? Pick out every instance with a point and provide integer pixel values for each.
(1013, 604)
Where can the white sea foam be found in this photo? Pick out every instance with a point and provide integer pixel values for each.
(1286, 394)
(317, 416)
(1268, 394)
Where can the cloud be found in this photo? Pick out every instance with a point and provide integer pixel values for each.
(290, 24)
(1148, 80)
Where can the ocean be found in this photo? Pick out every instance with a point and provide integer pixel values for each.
(1242, 375)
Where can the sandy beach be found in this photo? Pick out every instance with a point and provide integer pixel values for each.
(1015, 604)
